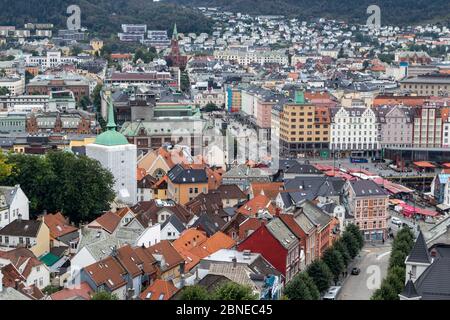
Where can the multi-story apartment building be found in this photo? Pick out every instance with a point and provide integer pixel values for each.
(45, 84)
(427, 131)
(215, 96)
(445, 114)
(24, 103)
(304, 127)
(354, 130)
(246, 57)
(368, 203)
(257, 104)
(233, 99)
(396, 126)
(15, 85)
(429, 84)
(51, 59)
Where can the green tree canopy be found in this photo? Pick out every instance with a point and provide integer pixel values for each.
(340, 246)
(296, 289)
(145, 55)
(321, 274)
(233, 291)
(302, 287)
(353, 229)
(77, 186)
(386, 292)
(4, 91)
(103, 295)
(5, 168)
(351, 244)
(333, 259)
(194, 293)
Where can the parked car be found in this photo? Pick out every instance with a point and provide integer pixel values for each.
(396, 221)
(356, 271)
(332, 293)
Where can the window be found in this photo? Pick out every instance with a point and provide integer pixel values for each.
(413, 271)
(6, 239)
(1, 239)
(20, 240)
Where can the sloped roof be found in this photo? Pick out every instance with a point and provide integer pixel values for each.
(108, 221)
(22, 228)
(434, 282)
(58, 225)
(175, 222)
(410, 290)
(419, 253)
(159, 290)
(282, 233)
(179, 175)
(107, 272)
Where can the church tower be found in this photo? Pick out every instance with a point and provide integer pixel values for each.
(113, 151)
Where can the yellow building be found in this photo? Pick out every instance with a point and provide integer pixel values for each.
(97, 46)
(82, 142)
(304, 128)
(184, 184)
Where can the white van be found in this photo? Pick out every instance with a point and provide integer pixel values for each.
(332, 293)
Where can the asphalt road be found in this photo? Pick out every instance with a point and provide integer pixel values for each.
(373, 262)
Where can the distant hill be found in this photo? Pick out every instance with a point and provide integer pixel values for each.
(398, 12)
(105, 16)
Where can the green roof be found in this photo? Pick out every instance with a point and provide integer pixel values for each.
(49, 259)
(111, 137)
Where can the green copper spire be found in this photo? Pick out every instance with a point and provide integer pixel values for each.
(111, 125)
(111, 137)
(175, 32)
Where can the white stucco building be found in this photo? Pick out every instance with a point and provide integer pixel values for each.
(354, 129)
(115, 153)
(13, 202)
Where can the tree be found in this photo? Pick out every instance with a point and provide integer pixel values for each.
(321, 275)
(302, 287)
(103, 295)
(84, 103)
(351, 244)
(4, 91)
(77, 186)
(28, 77)
(402, 245)
(296, 289)
(354, 229)
(185, 84)
(48, 290)
(386, 292)
(76, 51)
(210, 107)
(397, 259)
(5, 168)
(339, 245)
(333, 259)
(315, 294)
(145, 55)
(233, 291)
(194, 293)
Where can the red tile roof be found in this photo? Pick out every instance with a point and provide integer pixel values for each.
(159, 290)
(107, 272)
(84, 291)
(58, 225)
(251, 207)
(108, 221)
